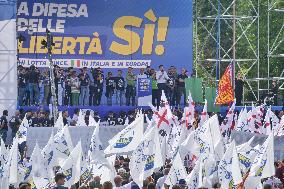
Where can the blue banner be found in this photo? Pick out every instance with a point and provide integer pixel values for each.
(144, 91)
(107, 33)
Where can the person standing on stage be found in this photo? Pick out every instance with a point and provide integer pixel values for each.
(181, 86)
(162, 79)
(98, 85)
(171, 86)
(67, 94)
(110, 86)
(33, 77)
(60, 86)
(84, 90)
(155, 90)
(46, 88)
(274, 91)
(4, 125)
(75, 89)
(148, 71)
(131, 87)
(15, 123)
(141, 74)
(22, 85)
(239, 87)
(119, 88)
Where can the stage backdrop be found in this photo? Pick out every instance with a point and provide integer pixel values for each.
(107, 33)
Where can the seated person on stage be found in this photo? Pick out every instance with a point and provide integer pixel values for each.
(121, 118)
(110, 118)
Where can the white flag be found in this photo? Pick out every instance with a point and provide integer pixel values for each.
(11, 168)
(59, 122)
(204, 114)
(38, 164)
(23, 130)
(3, 153)
(146, 158)
(209, 138)
(189, 146)
(176, 172)
(266, 129)
(263, 165)
(92, 121)
(96, 154)
(280, 130)
(50, 156)
(193, 178)
(245, 146)
(188, 115)
(81, 119)
(62, 144)
(242, 121)
(128, 139)
(228, 121)
(229, 169)
(71, 167)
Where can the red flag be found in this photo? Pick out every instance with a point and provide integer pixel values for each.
(225, 90)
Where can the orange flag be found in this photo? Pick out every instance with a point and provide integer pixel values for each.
(225, 90)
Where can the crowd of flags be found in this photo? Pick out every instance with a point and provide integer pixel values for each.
(214, 155)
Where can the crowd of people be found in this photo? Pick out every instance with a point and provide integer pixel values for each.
(123, 179)
(87, 86)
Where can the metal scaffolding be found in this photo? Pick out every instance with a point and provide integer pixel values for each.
(275, 43)
(214, 24)
(233, 32)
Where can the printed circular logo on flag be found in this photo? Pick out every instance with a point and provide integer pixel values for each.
(122, 142)
(149, 162)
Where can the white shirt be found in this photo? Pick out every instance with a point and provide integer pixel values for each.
(160, 182)
(162, 77)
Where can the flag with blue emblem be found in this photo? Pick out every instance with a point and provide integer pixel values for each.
(176, 172)
(229, 169)
(23, 129)
(246, 155)
(209, 138)
(263, 164)
(192, 178)
(62, 144)
(128, 139)
(146, 158)
(50, 156)
(72, 166)
(3, 153)
(86, 171)
(95, 153)
(241, 125)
